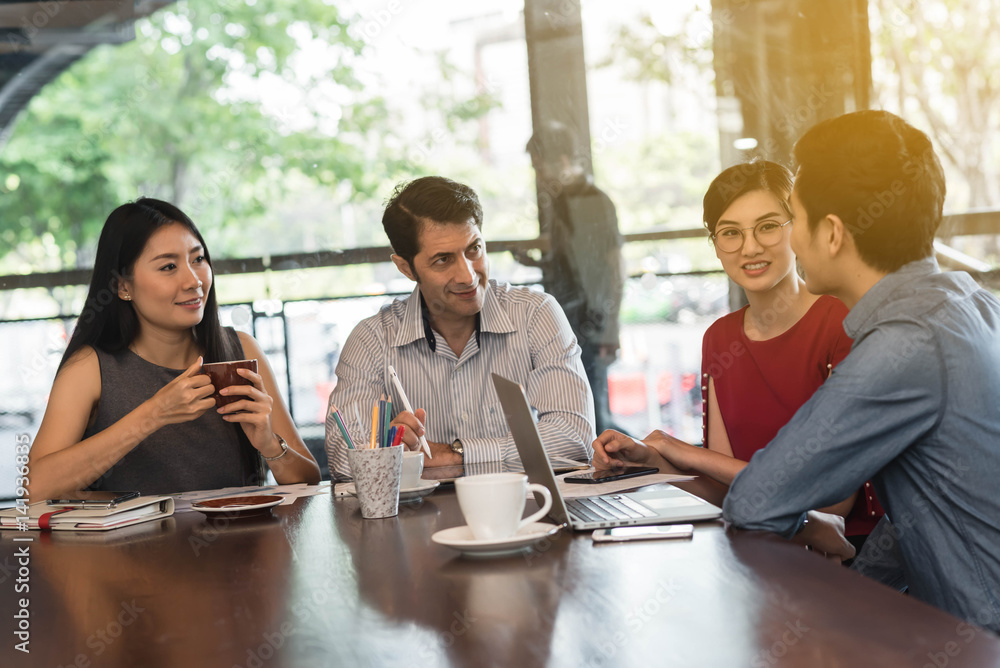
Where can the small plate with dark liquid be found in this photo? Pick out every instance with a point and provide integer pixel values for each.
(239, 506)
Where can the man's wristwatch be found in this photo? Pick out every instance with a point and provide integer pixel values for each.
(456, 447)
(284, 450)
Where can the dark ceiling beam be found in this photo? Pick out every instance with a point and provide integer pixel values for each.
(40, 40)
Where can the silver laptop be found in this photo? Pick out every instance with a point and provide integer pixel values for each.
(661, 504)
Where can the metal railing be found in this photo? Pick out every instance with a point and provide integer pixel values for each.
(978, 222)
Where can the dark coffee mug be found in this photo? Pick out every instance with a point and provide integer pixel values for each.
(223, 374)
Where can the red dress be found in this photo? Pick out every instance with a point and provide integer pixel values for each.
(761, 384)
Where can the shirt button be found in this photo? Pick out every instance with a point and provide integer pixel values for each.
(704, 387)
(465, 417)
(873, 513)
(704, 375)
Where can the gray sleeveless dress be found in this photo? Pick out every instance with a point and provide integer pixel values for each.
(206, 453)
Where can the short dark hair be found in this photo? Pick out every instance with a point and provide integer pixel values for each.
(881, 177)
(552, 139)
(430, 199)
(738, 180)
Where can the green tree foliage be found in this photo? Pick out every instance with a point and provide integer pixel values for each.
(646, 52)
(214, 105)
(938, 64)
(659, 182)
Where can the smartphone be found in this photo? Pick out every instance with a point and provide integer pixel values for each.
(622, 534)
(609, 475)
(88, 499)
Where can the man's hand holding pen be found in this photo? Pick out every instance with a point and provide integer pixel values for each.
(442, 454)
(414, 423)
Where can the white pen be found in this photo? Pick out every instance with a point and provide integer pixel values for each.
(406, 406)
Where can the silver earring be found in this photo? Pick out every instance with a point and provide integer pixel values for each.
(127, 297)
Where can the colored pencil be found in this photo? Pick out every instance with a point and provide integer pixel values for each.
(343, 427)
(388, 421)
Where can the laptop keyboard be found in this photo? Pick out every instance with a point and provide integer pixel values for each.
(607, 508)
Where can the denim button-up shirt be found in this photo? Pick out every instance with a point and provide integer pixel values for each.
(915, 407)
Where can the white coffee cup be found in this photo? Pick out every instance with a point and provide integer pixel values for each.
(493, 503)
(413, 467)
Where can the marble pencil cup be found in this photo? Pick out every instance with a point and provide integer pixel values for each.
(376, 473)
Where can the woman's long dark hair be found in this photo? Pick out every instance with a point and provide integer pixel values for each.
(109, 323)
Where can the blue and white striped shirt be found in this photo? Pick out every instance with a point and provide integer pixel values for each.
(523, 335)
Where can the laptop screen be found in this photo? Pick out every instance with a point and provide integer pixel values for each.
(522, 425)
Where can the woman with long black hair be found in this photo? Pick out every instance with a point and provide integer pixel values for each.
(130, 408)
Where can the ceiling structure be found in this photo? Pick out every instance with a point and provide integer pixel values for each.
(39, 40)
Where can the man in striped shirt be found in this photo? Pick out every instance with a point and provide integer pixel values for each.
(446, 338)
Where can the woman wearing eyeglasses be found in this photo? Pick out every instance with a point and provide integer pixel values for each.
(762, 362)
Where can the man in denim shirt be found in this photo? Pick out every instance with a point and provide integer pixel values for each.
(914, 405)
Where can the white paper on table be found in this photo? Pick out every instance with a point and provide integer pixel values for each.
(293, 492)
(572, 490)
(344, 489)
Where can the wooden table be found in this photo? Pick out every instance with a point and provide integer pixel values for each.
(315, 585)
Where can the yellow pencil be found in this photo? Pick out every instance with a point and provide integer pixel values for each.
(374, 424)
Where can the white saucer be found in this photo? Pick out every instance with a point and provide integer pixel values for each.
(422, 489)
(406, 494)
(460, 538)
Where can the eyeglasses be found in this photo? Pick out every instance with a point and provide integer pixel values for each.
(731, 239)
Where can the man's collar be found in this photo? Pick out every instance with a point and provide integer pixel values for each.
(881, 292)
(494, 318)
(412, 326)
(416, 319)
(425, 321)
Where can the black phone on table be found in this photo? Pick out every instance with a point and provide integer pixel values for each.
(609, 475)
(89, 499)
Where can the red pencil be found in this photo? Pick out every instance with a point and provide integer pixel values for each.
(399, 434)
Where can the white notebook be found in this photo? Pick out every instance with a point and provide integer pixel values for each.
(41, 516)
